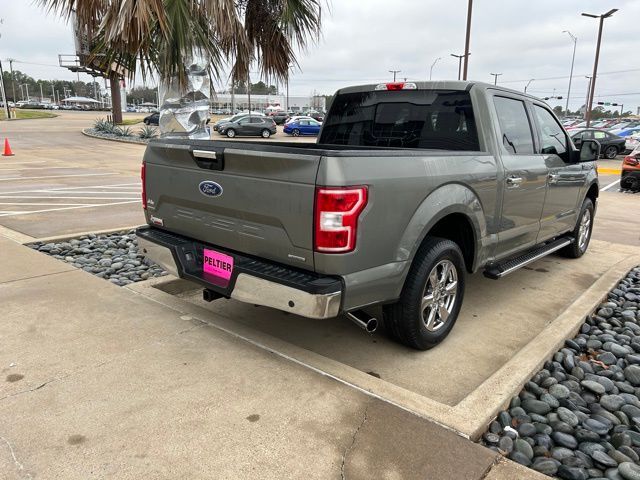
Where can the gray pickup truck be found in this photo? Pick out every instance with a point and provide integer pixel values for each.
(410, 187)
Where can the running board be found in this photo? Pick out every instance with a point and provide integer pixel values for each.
(501, 269)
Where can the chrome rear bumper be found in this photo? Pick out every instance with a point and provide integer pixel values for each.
(253, 289)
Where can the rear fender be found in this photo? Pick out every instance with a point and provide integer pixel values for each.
(448, 199)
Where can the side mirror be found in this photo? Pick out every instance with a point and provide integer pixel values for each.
(589, 151)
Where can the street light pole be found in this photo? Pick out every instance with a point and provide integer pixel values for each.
(495, 77)
(467, 39)
(595, 63)
(433, 65)
(394, 73)
(459, 57)
(573, 58)
(13, 84)
(4, 93)
(527, 85)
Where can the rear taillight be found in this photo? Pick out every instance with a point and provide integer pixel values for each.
(631, 160)
(143, 177)
(336, 218)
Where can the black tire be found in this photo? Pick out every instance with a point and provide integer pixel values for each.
(404, 320)
(145, 121)
(610, 152)
(579, 247)
(231, 133)
(266, 133)
(296, 132)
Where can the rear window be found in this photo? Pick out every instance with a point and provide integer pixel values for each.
(430, 119)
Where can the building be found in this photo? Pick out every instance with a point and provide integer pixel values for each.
(223, 101)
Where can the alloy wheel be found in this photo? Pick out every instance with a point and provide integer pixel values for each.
(439, 296)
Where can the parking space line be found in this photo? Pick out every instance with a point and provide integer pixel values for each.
(23, 163)
(30, 203)
(58, 176)
(131, 197)
(604, 189)
(66, 208)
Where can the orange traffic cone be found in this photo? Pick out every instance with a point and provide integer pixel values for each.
(7, 149)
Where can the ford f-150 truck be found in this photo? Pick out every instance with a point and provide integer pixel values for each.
(409, 188)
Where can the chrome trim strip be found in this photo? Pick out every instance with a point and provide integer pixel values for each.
(537, 257)
(250, 289)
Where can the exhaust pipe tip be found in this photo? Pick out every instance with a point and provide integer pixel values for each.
(363, 320)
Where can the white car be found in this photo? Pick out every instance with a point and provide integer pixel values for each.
(632, 141)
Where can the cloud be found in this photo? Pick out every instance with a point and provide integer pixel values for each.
(363, 39)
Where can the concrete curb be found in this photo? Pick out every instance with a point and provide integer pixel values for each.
(15, 235)
(69, 236)
(509, 380)
(85, 132)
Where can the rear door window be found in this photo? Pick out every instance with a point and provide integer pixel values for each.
(429, 119)
(515, 128)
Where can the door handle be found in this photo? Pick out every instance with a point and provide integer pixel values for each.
(553, 178)
(514, 181)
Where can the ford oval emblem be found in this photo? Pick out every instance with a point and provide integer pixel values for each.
(210, 189)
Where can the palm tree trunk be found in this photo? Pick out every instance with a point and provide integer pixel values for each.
(116, 107)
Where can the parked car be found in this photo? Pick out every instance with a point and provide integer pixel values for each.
(302, 126)
(628, 131)
(249, 125)
(153, 119)
(631, 142)
(295, 118)
(630, 176)
(610, 144)
(370, 215)
(234, 118)
(280, 117)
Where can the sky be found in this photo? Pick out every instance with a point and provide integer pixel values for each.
(363, 39)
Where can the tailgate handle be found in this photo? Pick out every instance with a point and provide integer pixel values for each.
(209, 159)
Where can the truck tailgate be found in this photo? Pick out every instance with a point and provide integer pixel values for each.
(265, 207)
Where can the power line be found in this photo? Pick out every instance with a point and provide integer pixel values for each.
(576, 75)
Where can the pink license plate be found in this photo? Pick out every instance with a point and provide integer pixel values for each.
(217, 264)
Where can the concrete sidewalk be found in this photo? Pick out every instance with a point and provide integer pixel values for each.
(101, 382)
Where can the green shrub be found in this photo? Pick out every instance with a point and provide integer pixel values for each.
(101, 125)
(147, 132)
(122, 131)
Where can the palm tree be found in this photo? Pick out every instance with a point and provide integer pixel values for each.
(159, 36)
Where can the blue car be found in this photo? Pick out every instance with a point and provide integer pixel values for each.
(628, 131)
(302, 127)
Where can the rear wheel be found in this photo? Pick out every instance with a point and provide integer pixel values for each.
(431, 298)
(266, 133)
(582, 233)
(231, 133)
(610, 152)
(296, 132)
(145, 121)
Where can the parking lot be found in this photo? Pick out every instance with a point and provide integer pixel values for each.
(161, 349)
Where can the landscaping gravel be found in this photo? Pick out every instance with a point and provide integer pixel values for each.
(121, 138)
(113, 256)
(579, 417)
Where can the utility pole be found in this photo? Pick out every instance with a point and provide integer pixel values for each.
(41, 94)
(459, 57)
(595, 63)
(4, 94)
(394, 73)
(467, 39)
(527, 85)
(433, 65)
(495, 77)
(573, 58)
(586, 102)
(13, 84)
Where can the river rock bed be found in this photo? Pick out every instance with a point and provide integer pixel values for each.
(113, 256)
(579, 417)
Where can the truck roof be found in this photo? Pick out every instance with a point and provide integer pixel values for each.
(437, 85)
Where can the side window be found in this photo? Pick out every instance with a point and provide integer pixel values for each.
(243, 121)
(586, 135)
(514, 125)
(598, 135)
(551, 133)
(304, 122)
